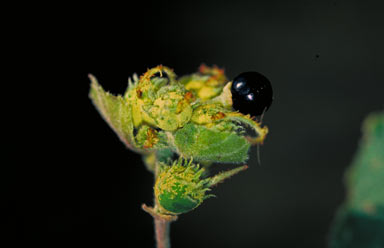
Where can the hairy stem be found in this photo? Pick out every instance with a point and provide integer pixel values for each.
(162, 233)
(162, 225)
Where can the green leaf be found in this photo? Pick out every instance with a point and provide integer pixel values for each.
(360, 221)
(365, 178)
(209, 145)
(357, 229)
(116, 112)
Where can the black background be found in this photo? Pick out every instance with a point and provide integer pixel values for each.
(74, 183)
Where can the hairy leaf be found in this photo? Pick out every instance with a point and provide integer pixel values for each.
(210, 145)
(116, 112)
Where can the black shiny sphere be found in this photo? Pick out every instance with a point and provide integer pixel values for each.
(251, 93)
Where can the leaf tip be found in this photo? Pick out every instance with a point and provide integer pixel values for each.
(91, 77)
(93, 80)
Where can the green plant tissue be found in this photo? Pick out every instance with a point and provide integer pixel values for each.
(359, 223)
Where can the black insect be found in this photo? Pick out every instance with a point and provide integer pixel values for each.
(251, 93)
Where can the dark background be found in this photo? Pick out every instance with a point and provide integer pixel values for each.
(79, 185)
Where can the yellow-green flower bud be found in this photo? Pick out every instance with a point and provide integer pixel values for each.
(181, 187)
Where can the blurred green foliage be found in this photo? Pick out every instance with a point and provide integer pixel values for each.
(360, 221)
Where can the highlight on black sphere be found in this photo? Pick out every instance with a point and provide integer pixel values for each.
(251, 93)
